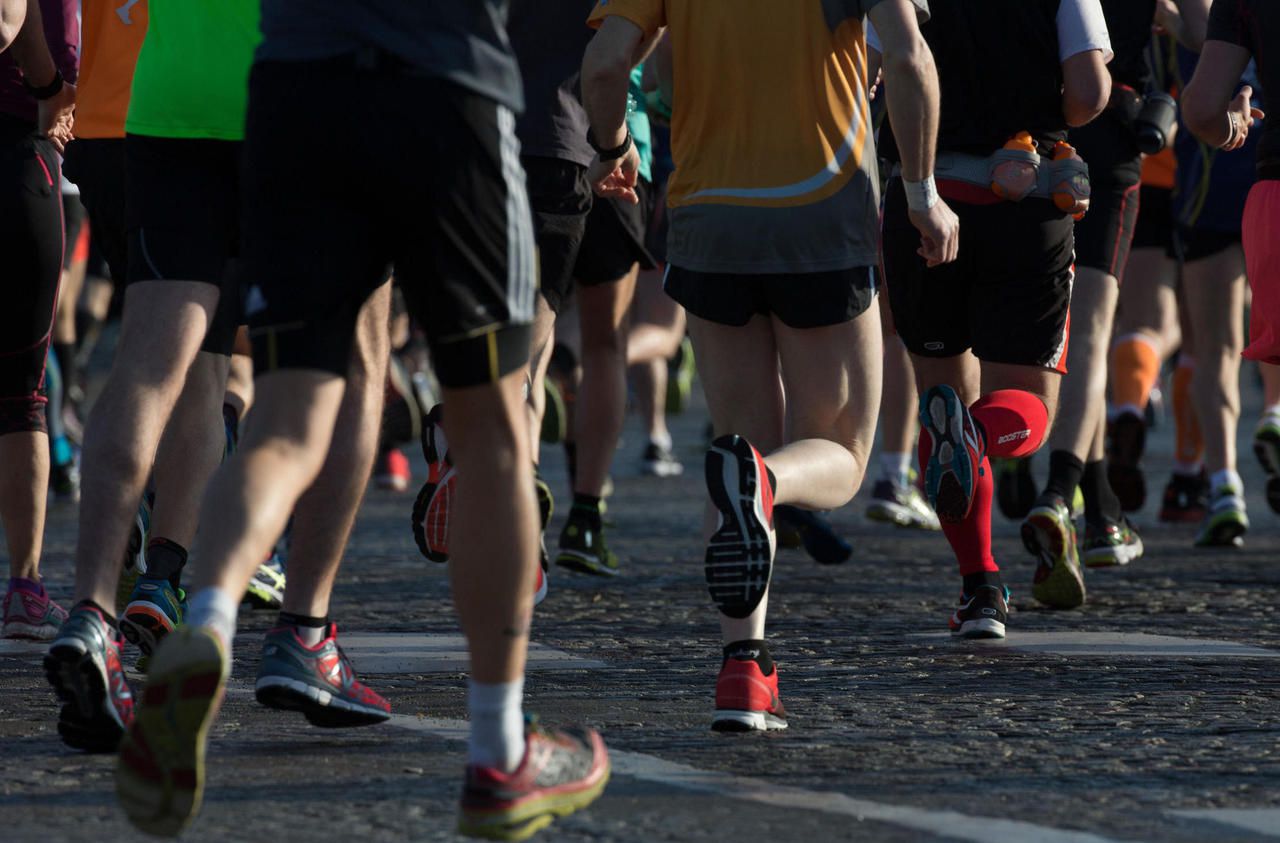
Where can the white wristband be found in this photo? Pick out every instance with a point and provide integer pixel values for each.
(921, 195)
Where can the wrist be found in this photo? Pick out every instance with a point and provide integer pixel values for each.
(611, 153)
(921, 195)
(1233, 130)
(46, 91)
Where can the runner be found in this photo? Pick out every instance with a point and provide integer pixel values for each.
(1011, 87)
(750, 226)
(37, 96)
(315, 251)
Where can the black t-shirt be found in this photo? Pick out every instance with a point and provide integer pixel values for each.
(549, 37)
(1129, 22)
(1254, 25)
(464, 41)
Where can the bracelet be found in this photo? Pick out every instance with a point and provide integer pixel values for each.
(610, 154)
(921, 195)
(46, 91)
(1234, 130)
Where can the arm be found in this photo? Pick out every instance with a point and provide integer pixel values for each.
(1186, 20)
(606, 73)
(55, 115)
(12, 14)
(1086, 87)
(1208, 108)
(912, 91)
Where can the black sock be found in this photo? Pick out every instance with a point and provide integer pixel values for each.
(571, 458)
(109, 617)
(1065, 471)
(66, 352)
(290, 619)
(1100, 501)
(587, 506)
(972, 582)
(752, 649)
(165, 560)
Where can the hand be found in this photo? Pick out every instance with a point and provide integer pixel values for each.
(875, 85)
(1242, 115)
(939, 233)
(1168, 20)
(56, 116)
(616, 179)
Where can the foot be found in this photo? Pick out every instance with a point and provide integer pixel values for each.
(818, 537)
(680, 372)
(739, 558)
(582, 544)
(392, 472)
(658, 461)
(1266, 446)
(562, 771)
(1225, 521)
(955, 454)
(1186, 498)
(901, 505)
(266, 589)
(1050, 536)
(160, 773)
(64, 480)
(982, 614)
(135, 555)
(1124, 460)
(435, 501)
(317, 681)
(83, 666)
(1111, 543)
(30, 613)
(1015, 487)
(155, 609)
(746, 699)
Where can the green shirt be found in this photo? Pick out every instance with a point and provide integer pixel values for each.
(192, 78)
(638, 123)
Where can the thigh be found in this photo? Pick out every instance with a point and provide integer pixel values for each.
(1214, 289)
(738, 369)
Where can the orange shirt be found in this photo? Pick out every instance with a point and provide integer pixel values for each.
(111, 36)
(1159, 170)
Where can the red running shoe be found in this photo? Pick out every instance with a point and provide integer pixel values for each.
(393, 471)
(435, 501)
(746, 699)
(83, 666)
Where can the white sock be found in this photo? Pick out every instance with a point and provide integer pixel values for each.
(896, 468)
(1187, 469)
(217, 610)
(1271, 413)
(662, 440)
(1226, 477)
(497, 724)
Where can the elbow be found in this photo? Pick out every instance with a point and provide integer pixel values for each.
(1084, 102)
(12, 16)
(911, 61)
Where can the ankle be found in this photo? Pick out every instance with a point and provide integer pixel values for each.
(497, 724)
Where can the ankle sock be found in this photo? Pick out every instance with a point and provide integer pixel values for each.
(896, 468)
(165, 560)
(751, 650)
(1225, 477)
(1065, 471)
(662, 440)
(1135, 368)
(217, 610)
(1014, 422)
(971, 538)
(497, 724)
(1100, 501)
(311, 630)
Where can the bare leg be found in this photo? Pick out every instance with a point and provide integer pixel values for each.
(23, 493)
(1081, 412)
(544, 323)
(1215, 301)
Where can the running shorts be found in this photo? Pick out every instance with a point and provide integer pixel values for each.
(799, 300)
(1262, 262)
(1155, 226)
(561, 199)
(615, 239)
(1103, 236)
(183, 221)
(327, 218)
(97, 167)
(1193, 244)
(1008, 294)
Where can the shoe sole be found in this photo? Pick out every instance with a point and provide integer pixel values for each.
(260, 596)
(739, 557)
(1224, 534)
(584, 564)
(729, 720)
(87, 720)
(320, 707)
(1114, 557)
(433, 539)
(1045, 539)
(144, 625)
(160, 773)
(949, 483)
(887, 512)
(531, 816)
(980, 628)
(1124, 470)
(29, 631)
(546, 500)
(1266, 447)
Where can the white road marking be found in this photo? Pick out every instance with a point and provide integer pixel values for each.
(1113, 644)
(387, 654)
(1258, 820)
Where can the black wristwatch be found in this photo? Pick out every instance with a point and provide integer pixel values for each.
(47, 91)
(610, 154)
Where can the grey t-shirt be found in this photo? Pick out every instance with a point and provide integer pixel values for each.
(464, 41)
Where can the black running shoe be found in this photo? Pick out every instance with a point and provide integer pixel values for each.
(816, 534)
(982, 614)
(1015, 487)
(1124, 460)
(1186, 498)
(739, 559)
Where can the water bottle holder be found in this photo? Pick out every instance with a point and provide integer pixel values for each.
(1014, 173)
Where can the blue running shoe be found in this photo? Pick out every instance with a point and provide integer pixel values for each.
(155, 609)
(318, 681)
(956, 453)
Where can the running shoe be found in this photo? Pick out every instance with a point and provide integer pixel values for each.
(555, 415)
(739, 558)
(982, 614)
(393, 472)
(29, 612)
(1050, 536)
(746, 699)
(562, 771)
(1126, 443)
(1015, 487)
(83, 666)
(956, 453)
(155, 609)
(1225, 521)
(1186, 498)
(658, 461)
(317, 681)
(160, 772)
(135, 554)
(266, 588)
(1266, 447)
(904, 506)
(818, 537)
(435, 500)
(546, 506)
(680, 372)
(1109, 544)
(583, 547)
(64, 480)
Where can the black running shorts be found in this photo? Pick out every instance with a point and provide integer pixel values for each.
(183, 218)
(561, 199)
(333, 198)
(1104, 235)
(97, 167)
(1006, 296)
(615, 239)
(1193, 244)
(799, 300)
(1155, 226)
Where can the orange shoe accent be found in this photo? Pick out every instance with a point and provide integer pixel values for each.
(1135, 368)
(1186, 427)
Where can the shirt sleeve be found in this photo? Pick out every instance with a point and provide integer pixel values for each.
(1082, 27)
(649, 15)
(1226, 23)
